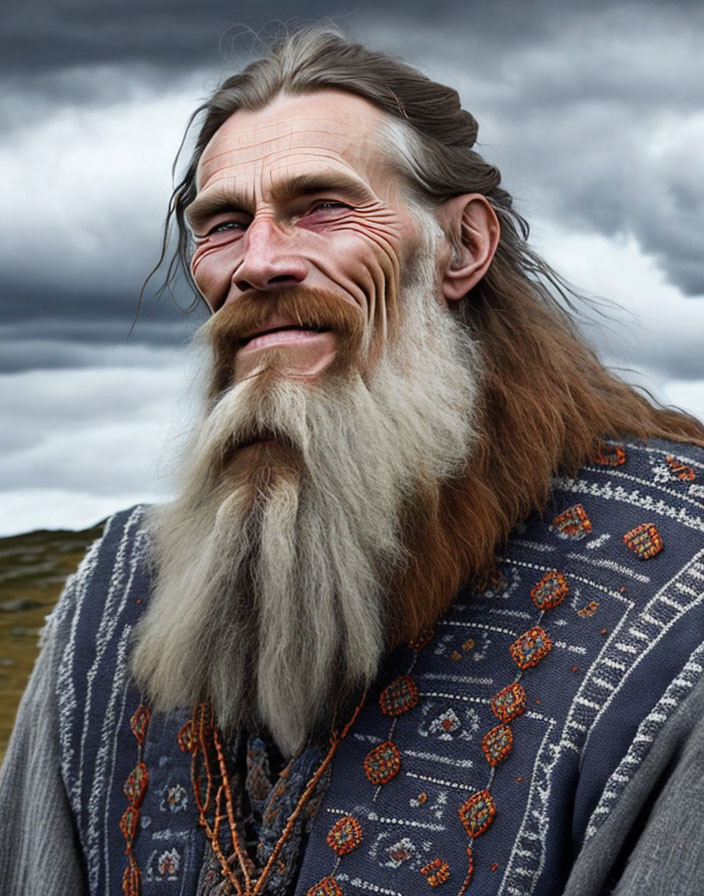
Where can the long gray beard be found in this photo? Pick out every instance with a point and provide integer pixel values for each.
(271, 592)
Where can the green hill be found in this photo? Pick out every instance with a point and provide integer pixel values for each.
(33, 569)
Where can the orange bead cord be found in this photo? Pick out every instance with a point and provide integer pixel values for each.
(230, 808)
(470, 872)
(213, 832)
(335, 741)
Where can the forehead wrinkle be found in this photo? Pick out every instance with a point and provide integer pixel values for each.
(279, 165)
(250, 134)
(254, 151)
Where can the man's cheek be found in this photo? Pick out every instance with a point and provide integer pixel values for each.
(211, 275)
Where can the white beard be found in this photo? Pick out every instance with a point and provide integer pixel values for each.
(271, 590)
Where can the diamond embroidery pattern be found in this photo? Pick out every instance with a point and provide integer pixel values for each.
(550, 591)
(477, 813)
(573, 522)
(136, 785)
(644, 541)
(497, 744)
(531, 647)
(509, 702)
(345, 835)
(326, 887)
(128, 824)
(383, 763)
(398, 697)
(186, 740)
(139, 723)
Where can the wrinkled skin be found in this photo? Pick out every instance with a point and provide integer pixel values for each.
(297, 195)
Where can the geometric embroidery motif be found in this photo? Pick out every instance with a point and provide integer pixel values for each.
(477, 813)
(509, 702)
(644, 541)
(382, 763)
(168, 864)
(128, 824)
(680, 470)
(590, 609)
(531, 647)
(573, 522)
(186, 739)
(436, 872)
(325, 887)
(136, 785)
(134, 788)
(399, 852)
(550, 591)
(139, 723)
(497, 744)
(445, 725)
(174, 799)
(345, 835)
(131, 879)
(398, 697)
(609, 455)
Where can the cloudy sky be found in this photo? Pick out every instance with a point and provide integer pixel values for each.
(593, 110)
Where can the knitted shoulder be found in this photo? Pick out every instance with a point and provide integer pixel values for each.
(628, 538)
(653, 489)
(108, 561)
(99, 599)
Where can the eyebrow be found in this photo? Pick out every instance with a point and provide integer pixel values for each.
(220, 200)
(322, 182)
(215, 203)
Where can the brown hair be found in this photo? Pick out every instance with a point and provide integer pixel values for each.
(547, 399)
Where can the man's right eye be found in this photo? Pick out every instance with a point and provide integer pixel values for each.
(225, 226)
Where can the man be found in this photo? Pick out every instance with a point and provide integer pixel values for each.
(427, 610)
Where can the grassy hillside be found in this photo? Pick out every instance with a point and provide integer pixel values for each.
(33, 569)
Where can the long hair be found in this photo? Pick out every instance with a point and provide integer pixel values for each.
(546, 398)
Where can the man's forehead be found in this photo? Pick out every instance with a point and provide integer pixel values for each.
(330, 125)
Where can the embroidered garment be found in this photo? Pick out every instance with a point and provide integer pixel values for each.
(518, 743)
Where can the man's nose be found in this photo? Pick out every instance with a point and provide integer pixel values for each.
(271, 258)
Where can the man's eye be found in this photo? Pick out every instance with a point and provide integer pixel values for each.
(226, 226)
(329, 204)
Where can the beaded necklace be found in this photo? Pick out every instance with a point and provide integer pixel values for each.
(213, 796)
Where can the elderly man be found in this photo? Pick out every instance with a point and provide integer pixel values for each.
(427, 611)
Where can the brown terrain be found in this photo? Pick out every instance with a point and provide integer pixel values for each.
(33, 569)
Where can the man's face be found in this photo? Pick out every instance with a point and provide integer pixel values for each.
(296, 198)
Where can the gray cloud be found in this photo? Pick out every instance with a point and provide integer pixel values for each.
(593, 111)
(594, 115)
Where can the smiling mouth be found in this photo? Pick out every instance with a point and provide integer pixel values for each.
(284, 334)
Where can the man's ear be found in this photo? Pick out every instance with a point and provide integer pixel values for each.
(472, 230)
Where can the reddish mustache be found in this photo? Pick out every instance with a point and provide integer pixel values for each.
(309, 308)
(313, 309)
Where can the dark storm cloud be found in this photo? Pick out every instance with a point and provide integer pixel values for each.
(576, 106)
(72, 329)
(54, 34)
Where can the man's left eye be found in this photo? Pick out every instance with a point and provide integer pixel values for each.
(328, 205)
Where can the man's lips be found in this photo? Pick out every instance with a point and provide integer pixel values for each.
(280, 332)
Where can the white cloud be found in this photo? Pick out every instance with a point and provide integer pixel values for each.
(596, 121)
(650, 328)
(24, 510)
(86, 187)
(77, 444)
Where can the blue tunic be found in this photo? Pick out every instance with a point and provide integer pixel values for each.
(487, 756)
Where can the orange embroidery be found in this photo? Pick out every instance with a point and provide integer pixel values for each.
(345, 835)
(644, 541)
(550, 591)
